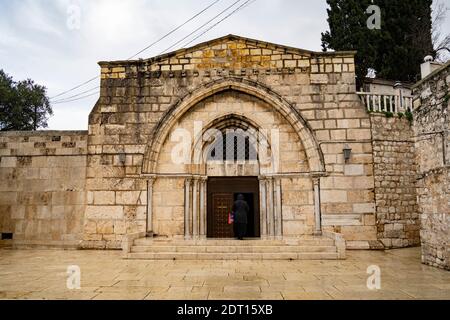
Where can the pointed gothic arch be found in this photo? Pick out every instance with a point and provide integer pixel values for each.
(252, 88)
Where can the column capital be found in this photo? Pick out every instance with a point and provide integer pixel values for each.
(196, 179)
(316, 180)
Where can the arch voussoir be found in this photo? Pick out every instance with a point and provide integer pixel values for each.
(252, 88)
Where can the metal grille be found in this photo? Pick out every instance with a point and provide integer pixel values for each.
(234, 145)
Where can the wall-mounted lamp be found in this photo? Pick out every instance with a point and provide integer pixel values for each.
(347, 152)
(122, 158)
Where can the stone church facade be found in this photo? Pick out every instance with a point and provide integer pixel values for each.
(315, 162)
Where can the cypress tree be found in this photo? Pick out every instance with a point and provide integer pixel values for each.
(396, 50)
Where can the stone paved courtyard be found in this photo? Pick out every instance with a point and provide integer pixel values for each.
(41, 274)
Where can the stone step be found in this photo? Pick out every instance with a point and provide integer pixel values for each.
(231, 249)
(230, 242)
(233, 256)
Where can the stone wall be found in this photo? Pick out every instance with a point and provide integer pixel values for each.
(61, 188)
(432, 124)
(169, 207)
(137, 95)
(297, 206)
(42, 187)
(395, 174)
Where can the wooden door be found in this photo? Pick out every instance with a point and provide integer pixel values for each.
(221, 205)
(222, 192)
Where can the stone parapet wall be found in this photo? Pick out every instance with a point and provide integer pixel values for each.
(42, 187)
(395, 174)
(432, 124)
(237, 56)
(43, 143)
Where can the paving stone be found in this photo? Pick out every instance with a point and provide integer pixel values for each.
(41, 274)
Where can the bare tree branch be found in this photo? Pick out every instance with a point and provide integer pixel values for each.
(441, 42)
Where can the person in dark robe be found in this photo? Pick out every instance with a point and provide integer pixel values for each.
(241, 210)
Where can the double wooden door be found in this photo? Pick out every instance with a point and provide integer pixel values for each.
(222, 192)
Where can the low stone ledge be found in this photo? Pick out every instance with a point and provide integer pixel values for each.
(357, 245)
(339, 242)
(376, 245)
(6, 244)
(43, 133)
(46, 244)
(128, 240)
(365, 245)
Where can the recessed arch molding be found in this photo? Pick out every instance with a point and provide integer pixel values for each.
(162, 130)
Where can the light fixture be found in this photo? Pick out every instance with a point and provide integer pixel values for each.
(122, 158)
(347, 152)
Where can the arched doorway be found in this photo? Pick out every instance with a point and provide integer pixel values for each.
(224, 106)
(233, 169)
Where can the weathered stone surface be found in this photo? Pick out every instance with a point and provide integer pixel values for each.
(431, 127)
(395, 171)
(308, 97)
(42, 196)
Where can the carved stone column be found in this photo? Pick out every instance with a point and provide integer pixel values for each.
(149, 230)
(203, 196)
(317, 207)
(187, 208)
(195, 211)
(278, 211)
(263, 206)
(270, 208)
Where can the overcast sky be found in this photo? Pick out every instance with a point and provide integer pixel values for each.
(40, 39)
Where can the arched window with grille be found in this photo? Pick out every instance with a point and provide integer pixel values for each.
(233, 145)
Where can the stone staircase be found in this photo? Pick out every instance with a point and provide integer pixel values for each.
(305, 248)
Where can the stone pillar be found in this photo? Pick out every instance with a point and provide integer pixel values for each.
(270, 209)
(278, 211)
(149, 230)
(263, 206)
(195, 211)
(317, 207)
(187, 208)
(203, 196)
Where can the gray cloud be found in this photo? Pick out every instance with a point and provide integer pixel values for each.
(35, 41)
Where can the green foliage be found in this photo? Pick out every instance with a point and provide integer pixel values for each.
(400, 115)
(396, 50)
(447, 98)
(24, 105)
(348, 31)
(409, 116)
(388, 114)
